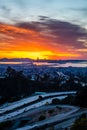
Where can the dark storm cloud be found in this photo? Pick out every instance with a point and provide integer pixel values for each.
(58, 32)
(43, 18)
(67, 33)
(36, 26)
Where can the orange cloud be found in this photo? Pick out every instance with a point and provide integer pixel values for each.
(16, 42)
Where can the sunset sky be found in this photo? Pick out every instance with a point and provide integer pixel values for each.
(45, 29)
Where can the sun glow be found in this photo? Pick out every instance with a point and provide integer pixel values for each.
(18, 42)
(35, 55)
(28, 54)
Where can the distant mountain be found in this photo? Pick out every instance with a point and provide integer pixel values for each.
(16, 60)
(39, 60)
(60, 61)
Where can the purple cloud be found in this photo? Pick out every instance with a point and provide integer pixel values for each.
(58, 32)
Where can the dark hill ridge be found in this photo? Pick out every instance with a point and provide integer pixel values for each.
(15, 60)
(39, 60)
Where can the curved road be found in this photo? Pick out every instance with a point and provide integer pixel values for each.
(53, 119)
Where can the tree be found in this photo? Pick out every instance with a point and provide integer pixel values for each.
(55, 101)
(80, 123)
(81, 98)
(10, 72)
(40, 97)
(42, 117)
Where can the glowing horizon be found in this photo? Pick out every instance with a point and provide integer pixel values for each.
(38, 55)
(42, 34)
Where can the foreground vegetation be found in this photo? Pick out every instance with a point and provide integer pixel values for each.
(80, 99)
(80, 123)
(15, 85)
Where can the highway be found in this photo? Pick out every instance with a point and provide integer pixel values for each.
(31, 99)
(53, 119)
(38, 104)
(69, 120)
(62, 120)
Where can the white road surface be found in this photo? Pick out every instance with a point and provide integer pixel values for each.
(29, 100)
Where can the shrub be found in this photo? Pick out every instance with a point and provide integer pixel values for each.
(42, 117)
(80, 123)
(55, 101)
(51, 111)
(5, 125)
